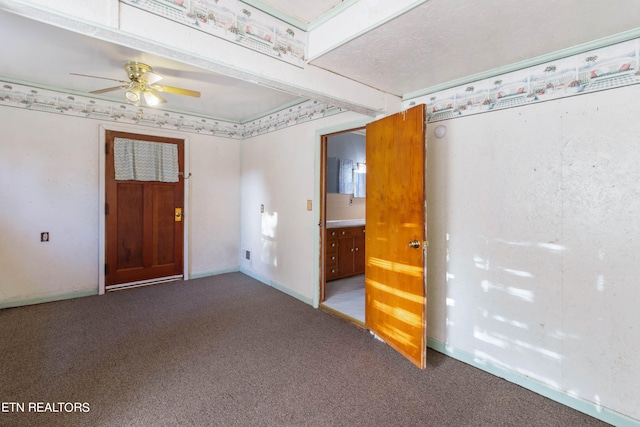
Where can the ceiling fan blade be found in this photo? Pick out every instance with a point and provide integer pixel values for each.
(176, 90)
(98, 77)
(161, 100)
(109, 89)
(150, 77)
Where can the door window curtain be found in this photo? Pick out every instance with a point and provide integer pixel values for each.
(136, 160)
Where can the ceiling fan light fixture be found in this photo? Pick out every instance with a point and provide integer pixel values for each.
(141, 88)
(150, 98)
(133, 95)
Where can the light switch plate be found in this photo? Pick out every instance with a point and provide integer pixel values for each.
(309, 205)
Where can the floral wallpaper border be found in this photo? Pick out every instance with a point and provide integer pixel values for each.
(49, 101)
(307, 111)
(233, 21)
(605, 68)
(600, 69)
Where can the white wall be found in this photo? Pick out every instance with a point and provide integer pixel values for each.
(532, 226)
(49, 181)
(104, 12)
(280, 170)
(535, 243)
(532, 223)
(215, 204)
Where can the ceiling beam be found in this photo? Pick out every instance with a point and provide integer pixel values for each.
(258, 4)
(146, 32)
(353, 21)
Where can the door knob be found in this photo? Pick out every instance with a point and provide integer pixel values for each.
(414, 244)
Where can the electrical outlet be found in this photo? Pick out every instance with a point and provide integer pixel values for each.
(309, 205)
(261, 208)
(44, 236)
(247, 255)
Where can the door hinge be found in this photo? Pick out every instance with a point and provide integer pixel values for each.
(106, 148)
(106, 269)
(106, 208)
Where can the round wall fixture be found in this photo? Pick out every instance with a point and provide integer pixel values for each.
(440, 131)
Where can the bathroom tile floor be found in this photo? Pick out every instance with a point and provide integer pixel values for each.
(347, 296)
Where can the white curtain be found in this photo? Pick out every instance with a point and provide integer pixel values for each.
(145, 161)
(345, 177)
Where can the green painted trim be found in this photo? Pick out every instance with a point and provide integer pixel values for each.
(335, 11)
(213, 273)
(277, 286)
(278, 14)
(560, 396)
(532, 62)
(343, 127)
(298, 23)
(366, 30)
(317, 196)
(47, 298)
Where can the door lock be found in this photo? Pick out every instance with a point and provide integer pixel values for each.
(415, 244)
(178, 214)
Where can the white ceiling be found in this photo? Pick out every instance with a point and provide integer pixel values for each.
(444, 40)
(46, 55)
(434, 43)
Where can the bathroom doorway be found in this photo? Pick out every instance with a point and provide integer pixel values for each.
(343, 224)
(396, 233)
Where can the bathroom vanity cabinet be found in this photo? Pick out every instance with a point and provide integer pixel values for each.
(344, 252)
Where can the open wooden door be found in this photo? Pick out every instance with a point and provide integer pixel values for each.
(395, 272)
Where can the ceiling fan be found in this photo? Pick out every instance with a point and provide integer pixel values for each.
(141, 87)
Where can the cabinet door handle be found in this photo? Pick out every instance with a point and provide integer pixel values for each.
(356, 249)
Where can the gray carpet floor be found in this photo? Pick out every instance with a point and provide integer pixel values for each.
(230, 351)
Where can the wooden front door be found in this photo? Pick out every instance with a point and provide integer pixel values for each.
(144, 230)
(395, 273)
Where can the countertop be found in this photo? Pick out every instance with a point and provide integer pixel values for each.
(345, 223)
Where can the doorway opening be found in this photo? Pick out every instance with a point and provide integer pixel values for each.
(343, 224)
(395, 280)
